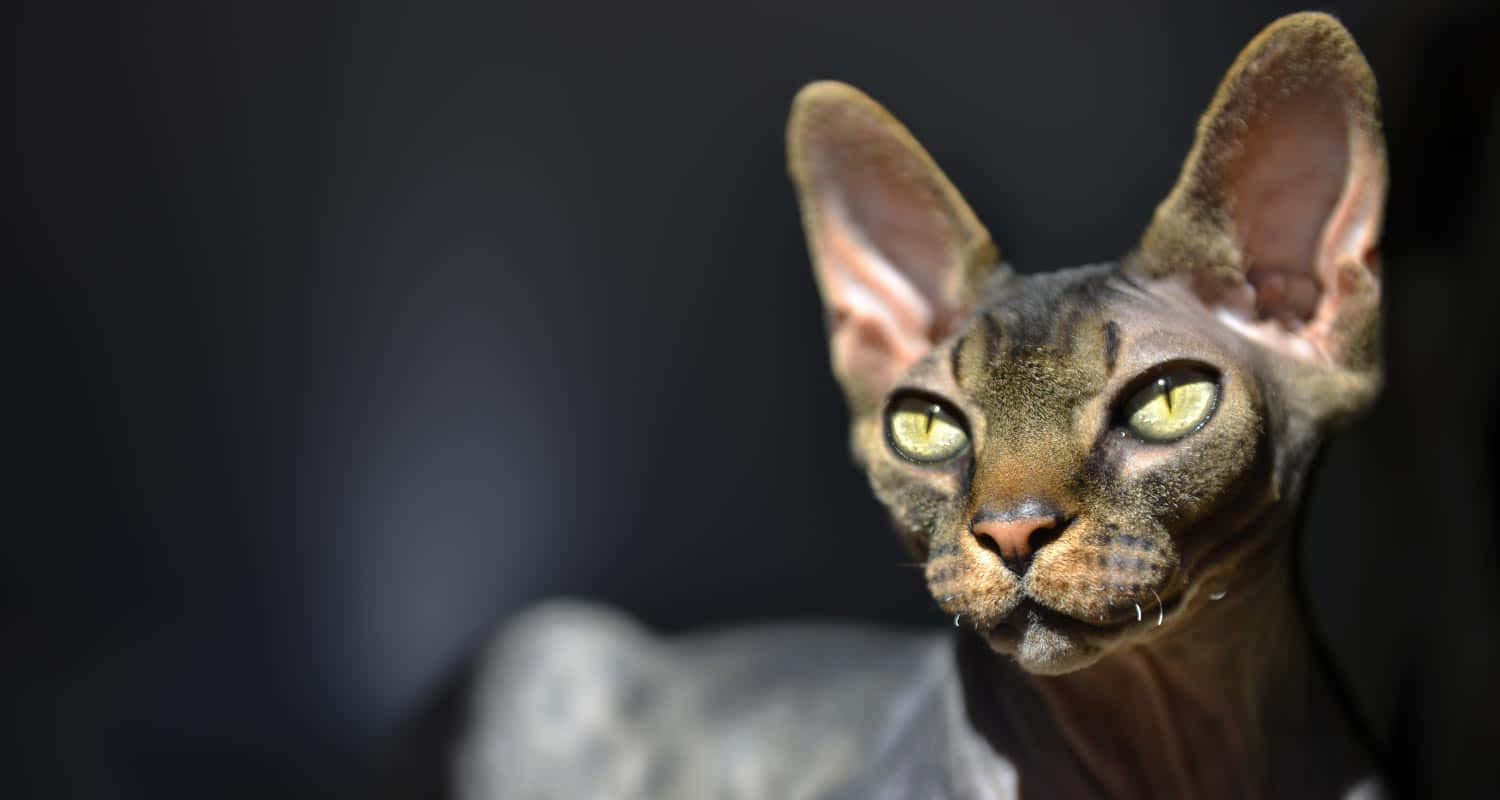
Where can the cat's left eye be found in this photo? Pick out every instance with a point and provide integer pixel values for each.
(921, 429)
(1172, 404)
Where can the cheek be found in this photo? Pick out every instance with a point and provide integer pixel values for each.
(1180, 483)
(1102, 567)
(1211, 466)
(920, 499)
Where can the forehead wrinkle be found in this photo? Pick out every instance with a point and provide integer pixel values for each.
(972, 356)
(1046, 351)
(1040, 384)
(1111, 345)
(955, 359)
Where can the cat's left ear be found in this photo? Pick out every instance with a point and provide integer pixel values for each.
(1275, 220)
(898, 255)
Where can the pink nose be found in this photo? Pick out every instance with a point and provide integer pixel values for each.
(1012, 537)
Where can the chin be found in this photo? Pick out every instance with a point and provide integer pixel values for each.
(1045, 643)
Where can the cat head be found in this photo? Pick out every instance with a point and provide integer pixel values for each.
(1078, 455)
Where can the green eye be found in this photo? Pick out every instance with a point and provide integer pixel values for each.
(1173, 405)
(924, 430)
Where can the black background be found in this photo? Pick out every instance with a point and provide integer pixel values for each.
(337, 332)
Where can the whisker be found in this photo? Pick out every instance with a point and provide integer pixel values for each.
(1137, 612)
(1161, 612)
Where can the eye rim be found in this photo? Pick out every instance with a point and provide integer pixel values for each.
(1120, 418)
(950, 409)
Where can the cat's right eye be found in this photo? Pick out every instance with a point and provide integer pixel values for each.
(923, 430)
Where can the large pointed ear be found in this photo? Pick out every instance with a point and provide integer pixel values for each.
(897, 253)
(1275, 221)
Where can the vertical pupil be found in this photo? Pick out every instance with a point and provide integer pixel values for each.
(931, 412)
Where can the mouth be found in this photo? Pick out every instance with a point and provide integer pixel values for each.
(1049, 641)
(1029, 613)
(1148, 615)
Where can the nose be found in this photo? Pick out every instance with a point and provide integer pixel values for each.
(1017, 532)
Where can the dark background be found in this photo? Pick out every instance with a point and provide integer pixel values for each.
(337, 332)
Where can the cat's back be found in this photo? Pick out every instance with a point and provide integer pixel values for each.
(572, 700)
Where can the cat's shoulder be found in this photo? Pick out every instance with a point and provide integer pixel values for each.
(576, 700)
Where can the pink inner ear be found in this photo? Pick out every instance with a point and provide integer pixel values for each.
(898, 217)
(879, 322)
(1292, 173)
(1350, 243)
(1304, 193)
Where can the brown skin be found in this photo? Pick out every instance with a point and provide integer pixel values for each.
(1153, 608)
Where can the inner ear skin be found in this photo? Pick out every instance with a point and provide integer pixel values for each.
(1287, 181)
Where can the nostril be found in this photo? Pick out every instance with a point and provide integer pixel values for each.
(1043, 536)
(989, 544)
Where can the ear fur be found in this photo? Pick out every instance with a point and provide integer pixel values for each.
(1275, 220)
(898, 255)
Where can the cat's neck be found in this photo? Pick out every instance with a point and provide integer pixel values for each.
(1230, 702)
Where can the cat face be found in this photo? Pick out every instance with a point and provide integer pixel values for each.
(1093, 443)
(1084, 456)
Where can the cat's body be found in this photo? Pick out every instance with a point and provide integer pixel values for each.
(1100, 468)
(780, 711)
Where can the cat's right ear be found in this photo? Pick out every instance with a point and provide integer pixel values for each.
(1275, 220)
(898, 255)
